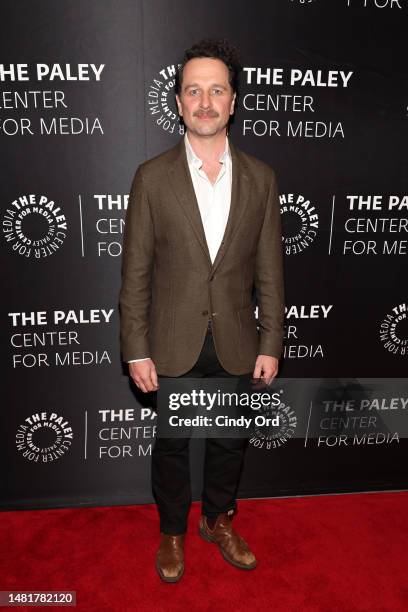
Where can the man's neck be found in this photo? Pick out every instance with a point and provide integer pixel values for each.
(210, 148)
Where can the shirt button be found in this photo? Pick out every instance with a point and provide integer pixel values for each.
(204, 313)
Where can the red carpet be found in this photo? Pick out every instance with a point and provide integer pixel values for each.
(340, 552)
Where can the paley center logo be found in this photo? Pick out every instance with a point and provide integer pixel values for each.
(161, 100)
(34, 226)
(44, 437)
(270, 436)
(394, 330)
(300, 222)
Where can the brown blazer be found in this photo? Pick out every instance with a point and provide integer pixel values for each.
(170, 288)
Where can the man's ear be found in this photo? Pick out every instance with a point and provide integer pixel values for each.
(233, 104)
(179, 105)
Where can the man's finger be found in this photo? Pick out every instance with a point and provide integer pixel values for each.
(140, 384)
(270, 376)
(153, 377)
(149, 380)
(148, 383)
(257, 371)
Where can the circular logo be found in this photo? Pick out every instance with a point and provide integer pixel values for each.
(268, 435)
(300, 223)
(394, 330)
(44, 437)
(34, 226)
(161, 101)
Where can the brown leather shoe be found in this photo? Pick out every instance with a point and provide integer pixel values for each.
(233, 548)
(170, 557)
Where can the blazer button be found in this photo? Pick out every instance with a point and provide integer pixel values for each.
(204, 313)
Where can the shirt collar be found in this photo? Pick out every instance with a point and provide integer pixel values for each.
(193, 159)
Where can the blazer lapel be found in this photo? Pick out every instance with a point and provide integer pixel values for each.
(240, 190)
(182, 184)
(183, 188)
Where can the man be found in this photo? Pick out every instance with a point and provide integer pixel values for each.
(202, 244)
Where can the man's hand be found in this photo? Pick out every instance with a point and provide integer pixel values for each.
(266, 367)
(144, 375)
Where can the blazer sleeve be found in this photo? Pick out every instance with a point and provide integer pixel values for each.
(269, 277)
(137, 267)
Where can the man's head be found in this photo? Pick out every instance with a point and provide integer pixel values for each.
(207, 86)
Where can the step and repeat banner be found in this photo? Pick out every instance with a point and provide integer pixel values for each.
(87, 94)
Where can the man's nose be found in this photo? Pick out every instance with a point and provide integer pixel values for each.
(205, 100)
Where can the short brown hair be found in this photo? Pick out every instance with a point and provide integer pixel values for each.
(218, 48)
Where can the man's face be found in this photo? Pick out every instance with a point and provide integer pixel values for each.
(206, 100)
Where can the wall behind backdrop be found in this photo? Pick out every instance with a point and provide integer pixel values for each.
(87, 94)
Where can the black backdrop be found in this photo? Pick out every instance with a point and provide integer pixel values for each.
(87, 95)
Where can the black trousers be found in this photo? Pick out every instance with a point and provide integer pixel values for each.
(171, 462)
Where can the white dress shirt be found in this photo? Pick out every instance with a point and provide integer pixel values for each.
(213, 199)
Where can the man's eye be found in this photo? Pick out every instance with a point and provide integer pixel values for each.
(217, 91)
(193, 92)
